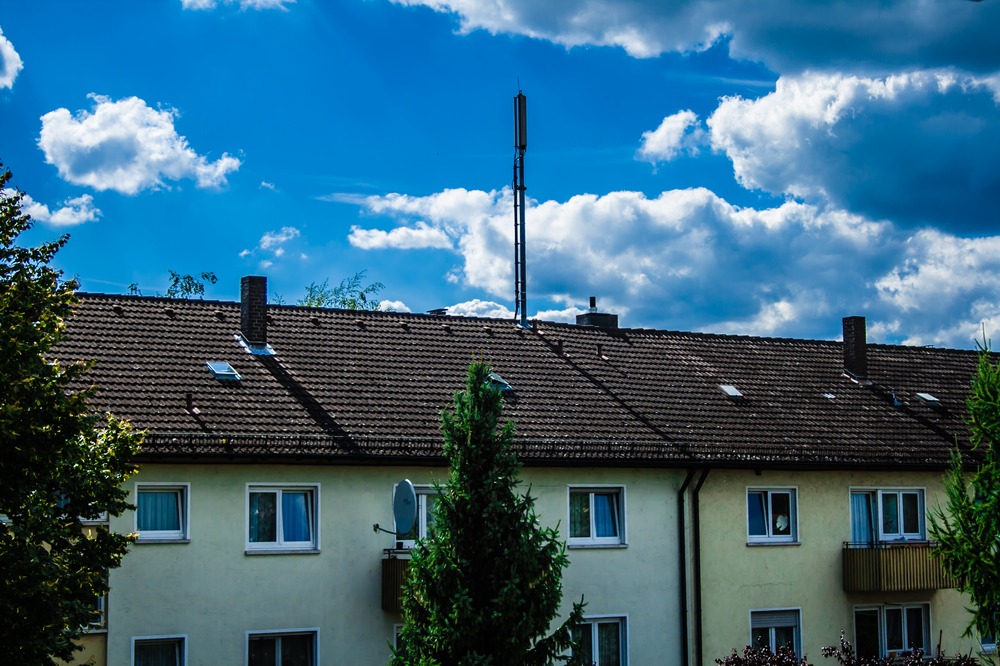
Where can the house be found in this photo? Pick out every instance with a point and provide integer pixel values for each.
(705, 483)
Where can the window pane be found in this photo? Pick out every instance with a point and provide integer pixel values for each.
(158, 511)
(579, 514)
(890, 513)
(760, 637)
(157, 653)
(894, 629)
(262, 652)
(263, 517)
(606, 514)
(609, 648)
(911, 513)
(861, 518)
(781, 514)
(755, 514)
(431, 502)
(866, 640)
(584, 634)
(784, 637)
(914, 628)
(295, 516)
(296, 650)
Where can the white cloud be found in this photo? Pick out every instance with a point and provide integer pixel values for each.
(421, 235)
(787, 35)
(244, 4)
(480, 308)
(264, 185)
(916, 148)
(125, 146)
(677, 132)
(274, 242)
(393, 306)
(73, 211)
(10, 62)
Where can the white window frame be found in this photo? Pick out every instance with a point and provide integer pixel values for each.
(278, 633)
(101, 624)
(797, 627)
(883, 647)
(793, 519)
(183, 535)
(622, 621)
(422, 492)
(593, 541)
(280, 545)
(902, 535)
(173, 638)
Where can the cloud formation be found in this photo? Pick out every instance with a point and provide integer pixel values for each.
(273, 244)
(677, 132)
(244, 4)
(688, 259)
(917, 148)
(787, 35)
(10, 62)
(73, 211)
(125, 146)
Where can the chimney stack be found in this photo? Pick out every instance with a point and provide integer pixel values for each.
(855, 347)
(594, 318)
(253, 309)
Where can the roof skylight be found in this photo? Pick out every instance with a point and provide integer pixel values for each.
(222, 371)
(731, 391)
(499, 382)
(929, 400)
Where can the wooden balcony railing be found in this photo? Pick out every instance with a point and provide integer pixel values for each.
(393, 572)
(893, 567)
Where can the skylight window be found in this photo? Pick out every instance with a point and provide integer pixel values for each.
(499, 382)
(929, 400)
(731, 391)
(222, 371)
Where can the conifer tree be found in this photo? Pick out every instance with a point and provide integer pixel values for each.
(968, 533)
(485, 585)
(59, 463)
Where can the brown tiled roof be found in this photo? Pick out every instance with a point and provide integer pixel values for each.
(369, 386)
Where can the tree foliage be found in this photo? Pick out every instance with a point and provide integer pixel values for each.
(485, 585)
(843, 654)
(968, 532)
(348, 295)
(188, 286)
(59, 463)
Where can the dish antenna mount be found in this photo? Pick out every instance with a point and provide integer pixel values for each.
(404, 509)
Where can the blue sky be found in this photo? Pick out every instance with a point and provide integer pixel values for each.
(727, 166)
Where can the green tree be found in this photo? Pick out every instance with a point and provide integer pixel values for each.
(485, 585)
(348, 295)
(967, 532)
(59, 463)
(186, 286)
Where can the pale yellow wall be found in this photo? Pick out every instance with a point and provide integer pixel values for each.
(738, 577)
(212, 592)
(94, 650)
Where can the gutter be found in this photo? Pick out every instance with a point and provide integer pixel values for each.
(696, 538)
(682, 540)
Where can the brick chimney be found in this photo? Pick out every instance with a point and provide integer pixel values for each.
(253, 309)
(855, 347)
(594, 318)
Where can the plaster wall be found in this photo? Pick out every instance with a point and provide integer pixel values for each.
(737, 577)
(212, 592)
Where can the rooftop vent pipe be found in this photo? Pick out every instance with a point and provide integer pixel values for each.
(855, 347)
(594, 318)
(253, 309)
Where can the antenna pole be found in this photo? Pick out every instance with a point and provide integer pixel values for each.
(520, 146)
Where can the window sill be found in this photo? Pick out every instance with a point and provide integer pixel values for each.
(585, 546)
(141, 542)
(282, 551)
(754, 544)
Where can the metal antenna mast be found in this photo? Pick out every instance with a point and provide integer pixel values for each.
(520, 145)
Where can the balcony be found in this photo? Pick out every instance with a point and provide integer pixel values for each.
(893, 567)
(394, 570)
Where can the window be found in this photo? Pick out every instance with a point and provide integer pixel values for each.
(159, 651)
(889, 631)
(161, 512)
(100, 618)
(772, 629)
(282, 518)
(285, 648)
(887, 515)
(426, 503)
(989, 643)
(771, 515)
(602, 641)
(597, 516)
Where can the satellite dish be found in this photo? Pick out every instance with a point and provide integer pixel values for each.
(404, 506)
